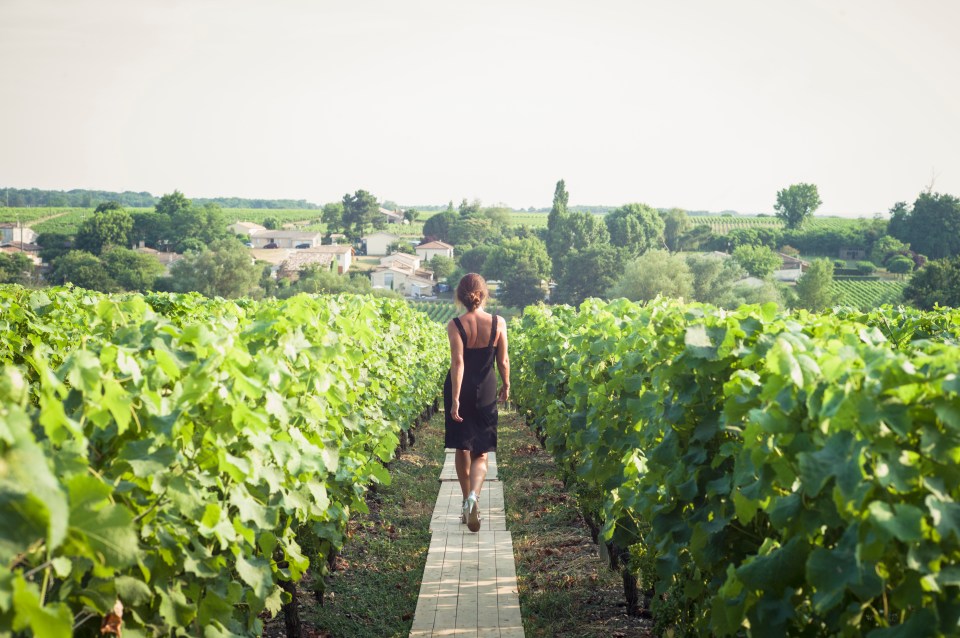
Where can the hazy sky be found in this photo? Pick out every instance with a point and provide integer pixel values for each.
(700, 104)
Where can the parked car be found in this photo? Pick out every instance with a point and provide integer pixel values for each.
(272, 245)
(303, 246)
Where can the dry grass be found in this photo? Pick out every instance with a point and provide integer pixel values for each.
(566, 589)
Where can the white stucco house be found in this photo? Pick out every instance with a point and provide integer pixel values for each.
(377, 243)
(11, 233)
(285, 239)
(406, 282)
(245, 228)
(431, 249)
(392, 216)
(403, 260)
(342, 254)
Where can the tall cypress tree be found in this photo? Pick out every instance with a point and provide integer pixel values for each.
(557, 240)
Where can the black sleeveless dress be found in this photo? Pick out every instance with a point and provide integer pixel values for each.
(478, 398)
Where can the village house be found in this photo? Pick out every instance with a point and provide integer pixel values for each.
(163, 257)
(297, 260)
(402, 273)
(403, 260)
(343, 255)
(788, 262)
(11, 233)
(404, 281)
(285, 239)
(32, 251)
(392, 216)
(245, 228)
(431, 249)
(379, 243)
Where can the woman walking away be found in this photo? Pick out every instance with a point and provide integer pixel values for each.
(477, 340)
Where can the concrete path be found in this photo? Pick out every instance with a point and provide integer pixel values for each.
(469, 584)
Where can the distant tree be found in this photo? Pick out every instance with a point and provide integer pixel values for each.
(588, 273)
(360, 210)
(170, 204)
(508, 255)
(900, 265)
(442, 266)
(110, 205)
(475, 260)
(411, 215)
(109, 225)
(885, 247)
(797, 203)
(521, 265)
(522, 288)
(131, 270)
(150, 227)
(557, 240)
(196, 225)
(332, 216)
(815, 286)
(53, 245)
(697, 237)
(656, 272)
(769, 237)
(401, 246)
(931, 227)
(15, 268)
(271, 223)
(713, 276)
(675, 225)
(937, 283)
(470, 209)
(225, 269)
(438, 226)
(635, 227)
(499, 216)
(759, 261)
(82, 269)
(473, 231)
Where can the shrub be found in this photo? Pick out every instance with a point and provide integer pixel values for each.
(866, 268)
(900, 265)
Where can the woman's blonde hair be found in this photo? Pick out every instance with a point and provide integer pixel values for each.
(472, 291)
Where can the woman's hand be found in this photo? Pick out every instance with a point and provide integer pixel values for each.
(504, 394)
(455, 411)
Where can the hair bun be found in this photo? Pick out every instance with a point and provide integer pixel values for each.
(472, 291)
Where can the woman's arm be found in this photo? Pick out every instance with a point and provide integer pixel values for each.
(503, 363)
(456, 369)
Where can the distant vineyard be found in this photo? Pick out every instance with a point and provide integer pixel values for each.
(68, 222)
(866, 295)
(439, 311)
(723, 225)
(444, 311)
(29, 216)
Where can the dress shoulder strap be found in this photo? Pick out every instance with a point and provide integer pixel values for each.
(463, 333)
(493, 332)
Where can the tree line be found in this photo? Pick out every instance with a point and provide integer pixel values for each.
(634, 251)
(83, 198)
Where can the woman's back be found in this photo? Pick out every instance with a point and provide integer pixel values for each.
(478, 326)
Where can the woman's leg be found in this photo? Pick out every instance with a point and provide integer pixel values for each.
(478, 472)
(462, 463)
